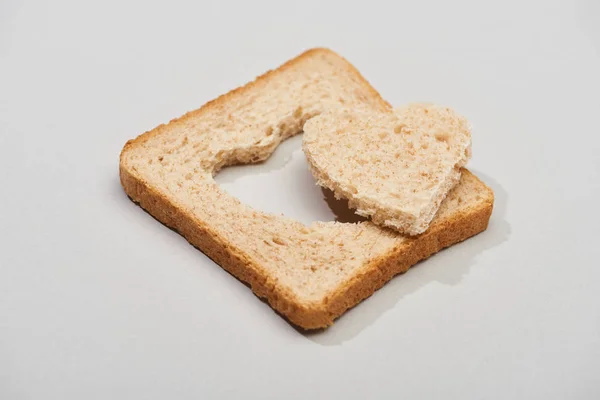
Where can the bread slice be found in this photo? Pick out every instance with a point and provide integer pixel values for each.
(310, 274)
(395, 167)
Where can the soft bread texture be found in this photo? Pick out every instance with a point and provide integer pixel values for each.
(310, 274)
(395, 167)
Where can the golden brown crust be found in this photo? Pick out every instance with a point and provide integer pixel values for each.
(239, 264)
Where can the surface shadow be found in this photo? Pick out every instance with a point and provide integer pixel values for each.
(447, 267)
(340, 208)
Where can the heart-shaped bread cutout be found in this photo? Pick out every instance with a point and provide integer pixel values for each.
(394, 167)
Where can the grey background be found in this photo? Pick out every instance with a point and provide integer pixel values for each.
(99, 301)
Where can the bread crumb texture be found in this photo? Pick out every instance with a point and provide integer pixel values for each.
(310, 274)
(395, 167)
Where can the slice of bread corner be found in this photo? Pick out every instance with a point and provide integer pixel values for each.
(309, 274)
(395, 167)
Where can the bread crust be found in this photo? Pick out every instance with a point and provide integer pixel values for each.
(224, 98)
(307, 315)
